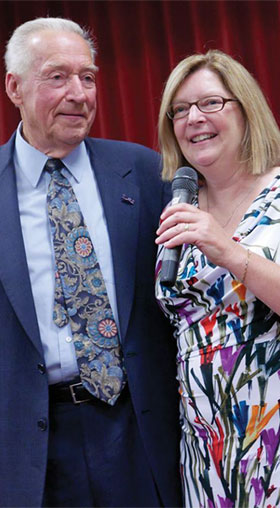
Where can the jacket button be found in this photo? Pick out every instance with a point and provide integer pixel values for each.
(145, 411)
(41, 368)
(42, 424)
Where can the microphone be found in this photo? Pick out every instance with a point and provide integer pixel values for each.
(184, 189)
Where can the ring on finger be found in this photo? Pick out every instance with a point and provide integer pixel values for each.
(186, 227)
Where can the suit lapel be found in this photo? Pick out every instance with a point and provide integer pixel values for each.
(120, 199)
(13, 266)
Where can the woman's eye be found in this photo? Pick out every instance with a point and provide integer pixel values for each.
(212, 101)
(179, 109)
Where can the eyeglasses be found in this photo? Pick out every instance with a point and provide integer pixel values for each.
(210, 104)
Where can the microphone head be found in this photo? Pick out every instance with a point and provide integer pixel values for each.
(185, 178)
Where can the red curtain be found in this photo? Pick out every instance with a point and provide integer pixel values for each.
(139, 42)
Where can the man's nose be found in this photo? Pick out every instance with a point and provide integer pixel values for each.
(75, 89)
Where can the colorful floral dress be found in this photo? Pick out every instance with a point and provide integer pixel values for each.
(228, 371)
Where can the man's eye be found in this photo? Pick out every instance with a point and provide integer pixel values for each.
(89, 79)
(57, 79)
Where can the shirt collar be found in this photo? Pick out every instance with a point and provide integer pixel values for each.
(32, 161)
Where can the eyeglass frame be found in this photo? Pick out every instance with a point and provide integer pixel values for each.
(196, 104)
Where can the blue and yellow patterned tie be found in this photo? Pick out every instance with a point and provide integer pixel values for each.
(80, 293)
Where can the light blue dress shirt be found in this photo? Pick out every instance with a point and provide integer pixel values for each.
(32, 186)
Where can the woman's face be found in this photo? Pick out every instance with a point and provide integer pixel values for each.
(209, 140)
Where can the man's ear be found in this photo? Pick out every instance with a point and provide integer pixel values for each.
(13, 88)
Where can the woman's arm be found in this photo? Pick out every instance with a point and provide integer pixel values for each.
(185, 223)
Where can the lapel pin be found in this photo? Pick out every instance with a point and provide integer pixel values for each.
(128, 200)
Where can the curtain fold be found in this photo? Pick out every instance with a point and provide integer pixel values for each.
(139, 42)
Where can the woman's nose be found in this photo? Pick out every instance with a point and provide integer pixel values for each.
(195, 115)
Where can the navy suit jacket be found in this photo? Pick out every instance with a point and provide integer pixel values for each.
(123, 170)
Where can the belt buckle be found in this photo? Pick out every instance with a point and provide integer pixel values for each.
(73, 394)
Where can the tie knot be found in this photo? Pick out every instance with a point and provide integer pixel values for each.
(53, 165)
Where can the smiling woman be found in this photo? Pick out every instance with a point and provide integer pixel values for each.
(260, 146)
(208, 135)
(224, 304)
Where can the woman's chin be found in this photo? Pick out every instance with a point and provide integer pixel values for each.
(202, 163)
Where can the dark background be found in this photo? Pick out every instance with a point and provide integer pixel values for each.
(139, 42)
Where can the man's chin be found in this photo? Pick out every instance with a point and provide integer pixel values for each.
(73, 138)
(60, 146)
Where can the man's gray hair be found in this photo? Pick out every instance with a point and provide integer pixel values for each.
(18, 56)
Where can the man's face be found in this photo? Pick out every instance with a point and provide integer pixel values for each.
(57, 95)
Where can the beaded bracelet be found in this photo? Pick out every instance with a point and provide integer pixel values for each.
(246, 266)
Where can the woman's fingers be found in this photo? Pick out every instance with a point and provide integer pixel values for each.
(178, 233)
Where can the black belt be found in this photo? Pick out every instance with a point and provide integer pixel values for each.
(74, 392)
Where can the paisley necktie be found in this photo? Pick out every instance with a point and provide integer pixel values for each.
(80, 293)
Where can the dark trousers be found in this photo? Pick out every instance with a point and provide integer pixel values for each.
(97, 458)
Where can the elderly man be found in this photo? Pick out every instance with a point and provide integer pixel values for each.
(88, 410)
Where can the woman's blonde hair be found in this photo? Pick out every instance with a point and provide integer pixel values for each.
(260, 148)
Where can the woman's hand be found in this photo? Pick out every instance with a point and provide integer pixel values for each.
(184, 223)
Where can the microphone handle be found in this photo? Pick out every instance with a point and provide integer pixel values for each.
(181, 196)
(169, 267)
(170, 260)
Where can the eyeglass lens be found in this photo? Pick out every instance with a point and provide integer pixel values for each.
(206, 105)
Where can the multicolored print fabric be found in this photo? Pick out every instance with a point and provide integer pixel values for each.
(228, 371)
